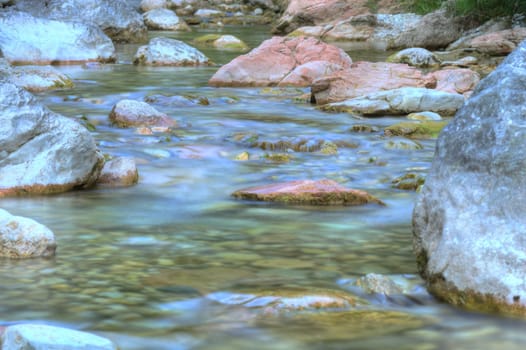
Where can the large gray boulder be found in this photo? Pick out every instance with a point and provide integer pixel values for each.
(469, 221)
(25, 39)
(41, 151)
(117, 18)
(43, 337)
(22, 237)
(34, 78)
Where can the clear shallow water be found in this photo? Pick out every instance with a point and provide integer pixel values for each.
(176, 263)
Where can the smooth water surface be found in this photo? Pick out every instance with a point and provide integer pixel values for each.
(176, 263)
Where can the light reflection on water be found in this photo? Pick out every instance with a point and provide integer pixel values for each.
(137, 264)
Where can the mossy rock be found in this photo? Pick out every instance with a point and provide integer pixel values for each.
(408, 181)
(279, 157)
(421, 130)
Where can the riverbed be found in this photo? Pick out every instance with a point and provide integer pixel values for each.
(176, 263)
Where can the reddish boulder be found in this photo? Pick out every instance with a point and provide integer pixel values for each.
(320, 192)
(461, 81)
(364, 78)
(285, 61)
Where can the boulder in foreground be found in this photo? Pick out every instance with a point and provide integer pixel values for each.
(41, 151)
(43, 337)
(468, 222)
(320, 192)
(22, 237)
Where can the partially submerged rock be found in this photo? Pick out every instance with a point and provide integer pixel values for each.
(128, 113)
(497, 43)
(284, 61)
(321, 192)
(43, 337)
(119, 171)
(22, 237)
(21, 41)
(409, 181)
(41, 151)
(416, 130)
(468, 222)
(221, 41)
(169, 52)
(400, 101)
(379, 284)
(36, 78)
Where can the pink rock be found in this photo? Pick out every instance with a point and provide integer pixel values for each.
(320, 192)
(461, 81)
(364, 78)
(276, 59)
(499, 43)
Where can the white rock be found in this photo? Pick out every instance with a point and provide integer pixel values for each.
(42, 337)
(169, 52)
(164, 19)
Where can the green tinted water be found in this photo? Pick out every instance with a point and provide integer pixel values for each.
(175, 262)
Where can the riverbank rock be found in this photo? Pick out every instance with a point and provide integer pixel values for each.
(301, 13)
(118, 172)
(320, 192)
(416, 57)
(468, 222)
(43, 337)
(128, 113)
(22, 237)
(169, 52)
(65, 42)
(41, 151)
(164, 19)
(400, 101)
(364, 78)
(499, 43)
(224, 42)
(117, 18)
(433, 31)
(284, 61)
(35, 78)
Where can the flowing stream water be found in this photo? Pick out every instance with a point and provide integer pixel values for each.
(176, 263)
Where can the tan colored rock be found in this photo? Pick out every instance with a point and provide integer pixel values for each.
(364, 78)
(498, 43)
(128, 113)
(22, 237)
(320, 192)
(275, 61)
(119, 171)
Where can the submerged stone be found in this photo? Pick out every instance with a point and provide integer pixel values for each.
(416, 130)
(320, 192)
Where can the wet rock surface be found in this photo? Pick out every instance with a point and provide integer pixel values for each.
(321, 192)
(119, 171)
(127, 113)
